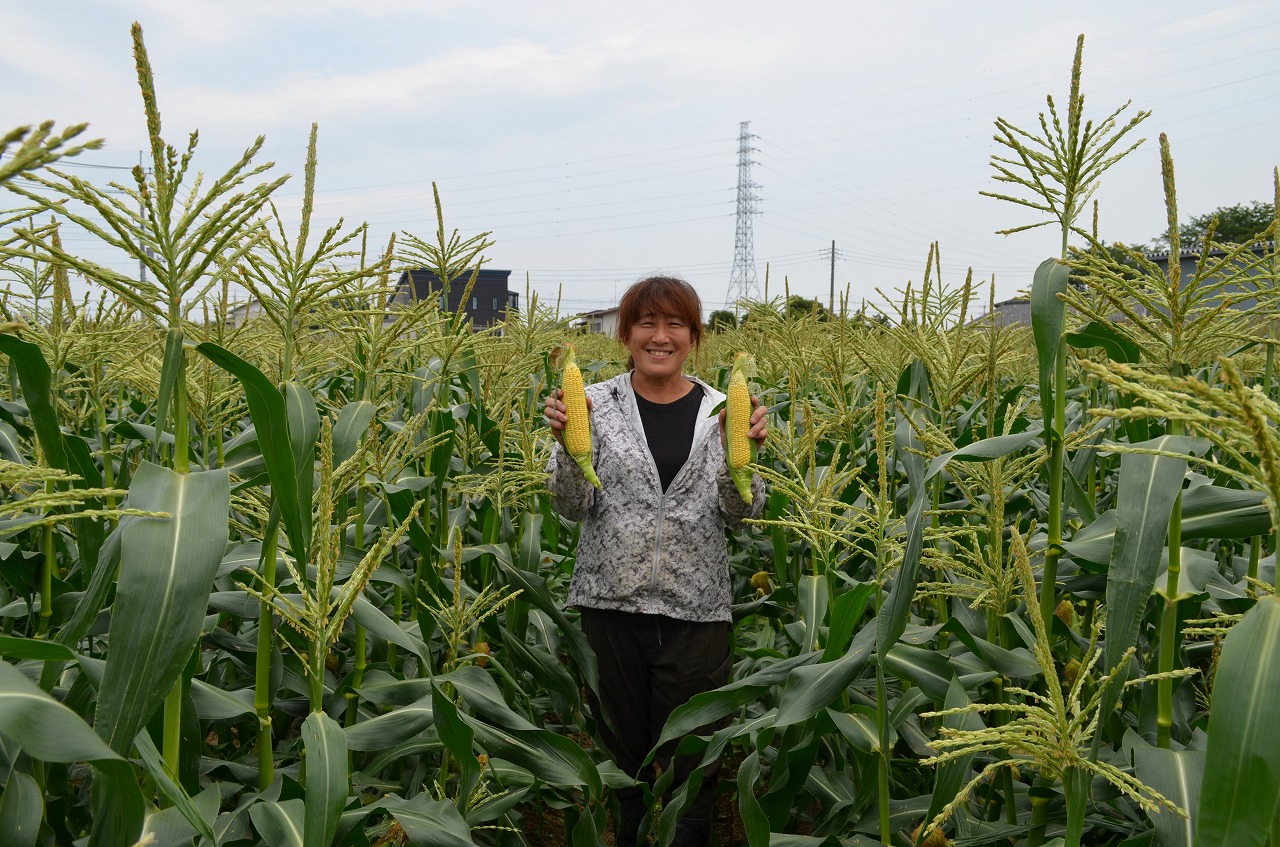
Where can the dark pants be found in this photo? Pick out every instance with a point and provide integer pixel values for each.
(649, 665)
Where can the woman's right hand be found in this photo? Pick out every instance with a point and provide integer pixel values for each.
(556, 414)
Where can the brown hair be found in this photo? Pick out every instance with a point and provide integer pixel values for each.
(660, 295)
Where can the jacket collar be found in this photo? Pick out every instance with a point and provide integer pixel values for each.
(707, 423)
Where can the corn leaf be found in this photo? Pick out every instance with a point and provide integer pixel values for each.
(811, 688)
(478, 690)
(812, 608)
(351, 425)
(167, 782)
(51, 732)
(754, 820)
(555, 759)
(1048, 317)
(170, 366)
(1015, 664)
(21, 810)
(215, 704)
(458, 738)
(10, 445)
(37, 384)
(396, 726)
(533, 588)
(242, 455)
(15, 647)
(91, 602)
(797, 751)
(502, 732)
(117, 805)
(926, 668)
(166, 571)
(1212, 511)
(1148, 487)
(1208, 511)
(1118, 347)
(710, 706)
(548, 670)
(860, 728)
(846, 611)
(272, 425)
(134, 431)
(304, 429)
(953, 774)
(1176, 774)
(1242, 765)
(46, 729)
(279, 824)
(170, 826)
(62, 451)
(377, 623)
(325, 767)
(429, 822)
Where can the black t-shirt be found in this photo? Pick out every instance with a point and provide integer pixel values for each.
(668, 427)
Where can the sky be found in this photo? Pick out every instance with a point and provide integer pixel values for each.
(598, 142)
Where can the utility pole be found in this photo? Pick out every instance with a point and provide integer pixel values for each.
(831, 301)
(742, 280)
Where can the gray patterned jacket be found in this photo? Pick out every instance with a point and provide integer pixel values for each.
(640, 549)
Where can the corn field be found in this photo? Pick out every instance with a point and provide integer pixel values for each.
(296, 581)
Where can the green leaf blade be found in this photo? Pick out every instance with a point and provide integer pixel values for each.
(1242, 766)
(166, 572)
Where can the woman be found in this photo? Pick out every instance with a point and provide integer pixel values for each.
(652, 577)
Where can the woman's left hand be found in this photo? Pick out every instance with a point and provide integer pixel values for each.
(759, 426)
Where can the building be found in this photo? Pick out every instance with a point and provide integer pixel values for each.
(240, 314)
(601, 320)
(487, 304)
(1192, 257)
(1015, 312)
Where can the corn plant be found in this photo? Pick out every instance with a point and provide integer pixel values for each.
(1056, 173)
(39, 147)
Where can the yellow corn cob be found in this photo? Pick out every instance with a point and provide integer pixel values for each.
(738, 422)
(577, 429)
(740, 449)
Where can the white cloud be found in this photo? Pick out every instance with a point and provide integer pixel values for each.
(479, 77)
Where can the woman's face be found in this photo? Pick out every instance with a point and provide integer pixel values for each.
(659, 344)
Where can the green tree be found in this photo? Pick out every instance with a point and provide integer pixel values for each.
(721, 319)
(1120, 253)
(1238, 224)
(797, 305)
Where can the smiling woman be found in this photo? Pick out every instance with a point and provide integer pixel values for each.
(660, 321)
(652, 578)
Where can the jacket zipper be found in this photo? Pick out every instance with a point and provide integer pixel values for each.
(657, 549)
(699, 435)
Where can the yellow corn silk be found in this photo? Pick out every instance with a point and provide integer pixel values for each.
(740, 449)
(577, 429)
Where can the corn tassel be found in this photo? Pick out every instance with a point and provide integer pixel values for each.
(739, 448)
(577, 429)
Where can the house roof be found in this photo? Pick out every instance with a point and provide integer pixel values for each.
(426, 282)
(1194, 252)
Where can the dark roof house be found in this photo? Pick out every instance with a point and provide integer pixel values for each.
(1015, 312)
(1190, 257)
(488, 303)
